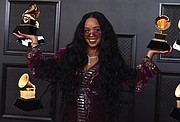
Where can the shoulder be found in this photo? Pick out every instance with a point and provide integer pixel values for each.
(59, 53)
(62, 50)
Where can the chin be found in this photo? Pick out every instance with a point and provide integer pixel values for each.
(93, 45)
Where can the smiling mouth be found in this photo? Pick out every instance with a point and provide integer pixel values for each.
(92, 40)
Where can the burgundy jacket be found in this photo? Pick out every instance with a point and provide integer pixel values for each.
(87, 109)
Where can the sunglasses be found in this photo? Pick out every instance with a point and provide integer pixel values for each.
(96, 32)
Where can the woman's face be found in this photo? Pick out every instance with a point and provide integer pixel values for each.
(92, 32)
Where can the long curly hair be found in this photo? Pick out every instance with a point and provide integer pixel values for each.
(113, 70)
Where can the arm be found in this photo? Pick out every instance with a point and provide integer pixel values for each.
(147, 69)
(35, 59)
(40, 67)
(37, 64)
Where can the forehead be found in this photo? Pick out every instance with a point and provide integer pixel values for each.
(91, 22)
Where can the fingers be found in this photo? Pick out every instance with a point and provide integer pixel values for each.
(25, 35)
(167, 51)
(163, 52)
(170, 51)
(33, 38)
(153, 52)
(19, 35)
(22, 35)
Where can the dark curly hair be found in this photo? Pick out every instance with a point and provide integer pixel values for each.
(113, 70)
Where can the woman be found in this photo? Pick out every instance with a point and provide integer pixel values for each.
(90, 72)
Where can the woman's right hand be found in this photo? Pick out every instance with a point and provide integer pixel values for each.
(33, 38)
(151, 53)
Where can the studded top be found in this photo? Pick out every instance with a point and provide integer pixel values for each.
(84, 107)
(88, 97)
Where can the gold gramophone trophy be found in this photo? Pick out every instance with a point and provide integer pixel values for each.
(29, 25)
(159, 42)
(27, 100)
(175, 113)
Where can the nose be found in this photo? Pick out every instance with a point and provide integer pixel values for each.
(91, 33)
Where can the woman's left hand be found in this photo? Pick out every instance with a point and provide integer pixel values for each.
(151, 53)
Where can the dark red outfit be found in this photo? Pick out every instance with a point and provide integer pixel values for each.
(88, 105)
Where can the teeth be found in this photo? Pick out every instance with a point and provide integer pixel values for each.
(92, 40)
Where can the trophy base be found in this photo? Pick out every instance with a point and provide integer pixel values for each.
(175, 113)
(28, 104)
(158, 45)
(31, 31)
(159, 42)
(26, 30)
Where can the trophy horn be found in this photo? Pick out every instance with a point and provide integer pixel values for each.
(24, 81)
(27, 89)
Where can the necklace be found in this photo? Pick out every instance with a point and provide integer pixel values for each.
(89, 59)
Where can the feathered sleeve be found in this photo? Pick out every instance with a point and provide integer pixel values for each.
(39, 66)
(145, 70)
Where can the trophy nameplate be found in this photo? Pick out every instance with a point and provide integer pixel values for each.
(29, 25)
(159, 41)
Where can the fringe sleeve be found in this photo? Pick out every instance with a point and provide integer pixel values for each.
(41, 68)
(145, 70)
